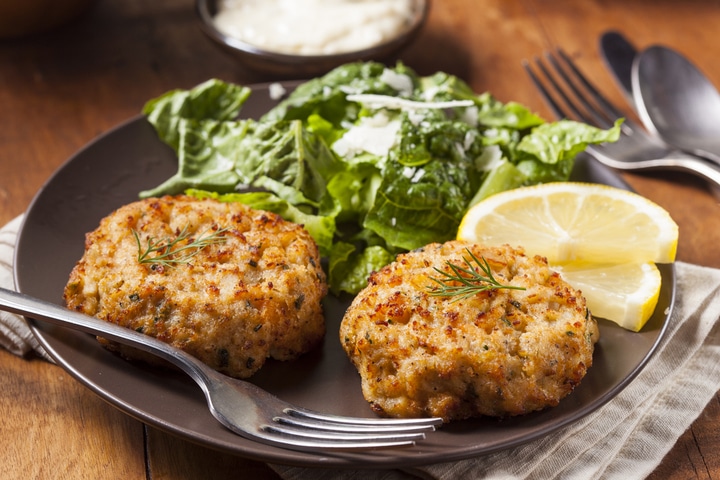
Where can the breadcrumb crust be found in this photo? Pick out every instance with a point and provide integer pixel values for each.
(257, 294)
(498, 353)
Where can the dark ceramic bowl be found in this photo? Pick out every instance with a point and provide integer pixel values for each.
(303, 66)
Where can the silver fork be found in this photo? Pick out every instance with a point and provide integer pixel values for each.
(636, 149)
(242, 407)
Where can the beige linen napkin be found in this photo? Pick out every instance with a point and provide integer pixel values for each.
(625, 439)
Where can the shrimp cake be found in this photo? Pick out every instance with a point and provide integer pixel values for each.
(499, 352)
(253, 292)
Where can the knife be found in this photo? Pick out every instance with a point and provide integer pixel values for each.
(619, 53)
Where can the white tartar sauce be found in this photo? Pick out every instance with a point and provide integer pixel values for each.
(313, 27)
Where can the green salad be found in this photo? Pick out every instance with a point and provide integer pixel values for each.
(372, 160)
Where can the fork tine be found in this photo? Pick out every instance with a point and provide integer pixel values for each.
(611, 112)
(586, 94)
(547, 96)
(270, 420)
(314, 444)
(308, 429)
(315, 434)
(310, 435)
(581, 109)
(396, 423)
(353, 425)
(587, 103)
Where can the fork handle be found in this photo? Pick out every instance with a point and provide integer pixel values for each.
(676, 161)
(710, 171)
(26, 305)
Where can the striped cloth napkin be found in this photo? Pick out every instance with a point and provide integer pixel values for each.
(15, 335)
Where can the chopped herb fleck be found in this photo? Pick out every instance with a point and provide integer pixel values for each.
(299, 301)
(223, 357)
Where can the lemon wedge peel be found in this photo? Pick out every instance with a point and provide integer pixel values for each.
(626, 294)
(605, 240)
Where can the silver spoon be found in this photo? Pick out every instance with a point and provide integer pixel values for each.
(678, 101)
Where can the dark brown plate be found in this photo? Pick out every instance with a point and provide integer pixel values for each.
(110, 171)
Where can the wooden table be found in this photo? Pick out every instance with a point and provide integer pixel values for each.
(61, 89)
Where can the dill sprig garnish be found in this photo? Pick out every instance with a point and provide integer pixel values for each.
(464, 282)
(172, 251)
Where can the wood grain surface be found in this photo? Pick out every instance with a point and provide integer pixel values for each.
(62, 88)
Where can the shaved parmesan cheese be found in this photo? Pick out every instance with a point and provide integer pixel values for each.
(395, 103)
(470, 137)
(276, 91)
(490, 159)
(375, 135)
(400, 82)
(470, 116)
(414, 174)
(415, 117)
(429, 93)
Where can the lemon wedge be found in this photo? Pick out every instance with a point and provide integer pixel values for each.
(625, 293)
(605, 241)
(574, 222)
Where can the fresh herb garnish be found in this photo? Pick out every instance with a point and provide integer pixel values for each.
(172, 251)
(464, 282)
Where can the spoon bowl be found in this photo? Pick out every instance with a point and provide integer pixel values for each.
(676, 99)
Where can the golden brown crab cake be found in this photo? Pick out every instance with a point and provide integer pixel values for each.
(499, 352)
(251, 291)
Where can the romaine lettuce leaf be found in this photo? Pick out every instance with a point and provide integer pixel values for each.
(207, 151)
(354, 190)
(505, 176)
(551, 143)
(349, 268)
(223, 156)
(213, 99)
(287, 153)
